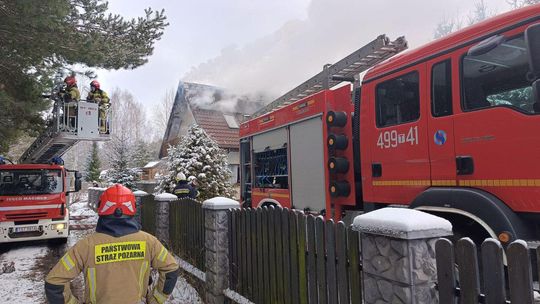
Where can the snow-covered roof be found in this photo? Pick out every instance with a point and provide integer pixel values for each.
(151, 164)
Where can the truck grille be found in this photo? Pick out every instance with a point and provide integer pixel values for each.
(21, 216)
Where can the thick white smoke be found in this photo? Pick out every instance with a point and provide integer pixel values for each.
(274, 64)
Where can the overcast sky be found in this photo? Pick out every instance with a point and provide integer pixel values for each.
(254, 45)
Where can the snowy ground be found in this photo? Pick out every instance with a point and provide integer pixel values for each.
(33, 260)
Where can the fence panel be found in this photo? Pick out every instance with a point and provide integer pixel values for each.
(520, 273)
(321, 260)
(186, 231)
(341, 252)
(354, 266)
(295, 272)
(494, 287)
(286, 256)
(312, 260)
(148, 214)
(330, 244)
(302, 269)
(445, 271)
(467, 262)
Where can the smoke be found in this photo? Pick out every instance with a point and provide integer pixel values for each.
(274, 64)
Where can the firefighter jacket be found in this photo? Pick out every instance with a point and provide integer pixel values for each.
(183, 190)
(100, 97)
(116, 263)
(72, 94)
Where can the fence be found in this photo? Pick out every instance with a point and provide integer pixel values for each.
(148, 214)
(281, 256)
(466, 287)
(186, 231)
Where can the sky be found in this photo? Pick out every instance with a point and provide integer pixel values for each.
(253, 46)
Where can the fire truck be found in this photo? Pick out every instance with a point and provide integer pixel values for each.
(451, 128)
(34, 194)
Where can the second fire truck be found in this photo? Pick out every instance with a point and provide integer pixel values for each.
(451, 128)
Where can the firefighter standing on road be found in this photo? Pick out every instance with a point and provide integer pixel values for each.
(116, 260)
(183, 189)
(71, 96)
(97, 95)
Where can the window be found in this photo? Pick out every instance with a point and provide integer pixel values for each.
(397, 100)
(441, 89)
(15, 182)
(498, 78)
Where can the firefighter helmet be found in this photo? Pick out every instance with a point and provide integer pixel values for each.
(94, 84)
(180, 177)
(70, 80)
(117, 200)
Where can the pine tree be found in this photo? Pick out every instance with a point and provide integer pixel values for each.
(199, 157)
(93, 164)
(141, 154)
(120, 173)
(39, 37)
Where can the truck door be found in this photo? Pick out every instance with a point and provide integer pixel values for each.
(498, 131)
(440, 134)
(400, 166)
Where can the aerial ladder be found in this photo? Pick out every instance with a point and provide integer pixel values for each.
(69, 124)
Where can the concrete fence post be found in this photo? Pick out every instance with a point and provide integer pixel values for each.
(216, 243)
(162, 216)
(398, 254)
(139, 194)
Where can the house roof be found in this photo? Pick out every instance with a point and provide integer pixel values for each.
(215, 124)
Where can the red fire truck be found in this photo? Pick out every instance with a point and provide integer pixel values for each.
(33, 201)
(451, 128)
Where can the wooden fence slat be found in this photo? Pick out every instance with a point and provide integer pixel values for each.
(286, 256)
(341, 255)
(353, 248)
(232, 245)
(467, 262)
(302, 270)
(279, 252)
(444, 250)
(266, 260)
(238, 251)
(250, 262)
(273, 253)
(330, 241)
(244, 262)
(234, 251)
(493, 272)
(312, 260)
(254, 258)
(321, 260)
(520, 273)
(260, 278)
(295, 272)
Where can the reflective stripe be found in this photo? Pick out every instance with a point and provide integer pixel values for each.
(33, 207)
(161, 298)
(72, 300)
(162, 254)
(91, 281)
(142, 272)
(67, 262)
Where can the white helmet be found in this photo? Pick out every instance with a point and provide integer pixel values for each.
(180, 177)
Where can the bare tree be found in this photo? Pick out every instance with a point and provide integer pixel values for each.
(162, 112)
(479, 13)
(521, 3)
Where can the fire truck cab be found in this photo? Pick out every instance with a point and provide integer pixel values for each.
(451, 128)
(34, 201)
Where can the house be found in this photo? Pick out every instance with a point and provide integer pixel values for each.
(214, 111)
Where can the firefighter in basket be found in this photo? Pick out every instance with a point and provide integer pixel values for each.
(70, 96)
(116, 260)
(97, 95)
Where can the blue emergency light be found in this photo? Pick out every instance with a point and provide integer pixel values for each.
(57, 160)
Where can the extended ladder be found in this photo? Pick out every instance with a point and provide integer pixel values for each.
(67, 127)
(369, 55)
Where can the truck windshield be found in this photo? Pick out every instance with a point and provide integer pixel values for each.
(17, 182)
(499, 78)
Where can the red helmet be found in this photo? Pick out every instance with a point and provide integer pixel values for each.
(95, 84)
(70, 81)
(117, 197)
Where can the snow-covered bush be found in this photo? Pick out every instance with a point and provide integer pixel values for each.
(199, 156)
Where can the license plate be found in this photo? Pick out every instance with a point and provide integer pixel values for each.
(26, 229)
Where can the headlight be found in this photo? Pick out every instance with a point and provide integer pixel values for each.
(59, 226)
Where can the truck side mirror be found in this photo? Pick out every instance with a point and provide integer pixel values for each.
(78, 182)
(532, 41)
